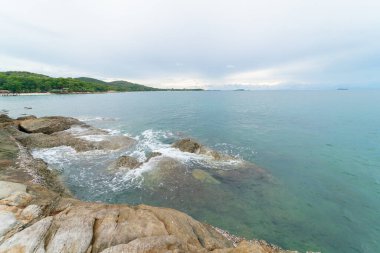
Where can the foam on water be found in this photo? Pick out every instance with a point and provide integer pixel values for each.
(97, 118)
(160, 141)
(148, 141)
(57, 155)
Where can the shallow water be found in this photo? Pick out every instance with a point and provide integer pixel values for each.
(322, 149)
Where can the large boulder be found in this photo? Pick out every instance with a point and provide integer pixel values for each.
(47, 125)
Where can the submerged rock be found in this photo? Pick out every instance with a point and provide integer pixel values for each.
(203, 176)
(151, 155)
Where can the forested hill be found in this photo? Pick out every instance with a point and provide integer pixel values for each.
(26, 82)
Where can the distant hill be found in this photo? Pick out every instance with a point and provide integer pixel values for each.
(120, 85)
(26, 82)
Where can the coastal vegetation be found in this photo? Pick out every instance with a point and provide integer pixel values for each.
(26, 82)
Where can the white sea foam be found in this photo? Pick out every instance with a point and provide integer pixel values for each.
(57, 156)
(85, 164)
(96, 118)
(154, 141)
(112, 131)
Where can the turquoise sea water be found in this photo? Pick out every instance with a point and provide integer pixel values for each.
(321, 147)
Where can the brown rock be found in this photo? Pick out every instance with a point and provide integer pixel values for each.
(5, 118)
(27, 117)
(127, 162)
(188, 145)
(47, 125)
(151, 155)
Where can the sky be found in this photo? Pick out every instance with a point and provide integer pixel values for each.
(211, 44)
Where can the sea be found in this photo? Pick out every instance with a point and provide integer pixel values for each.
(320, 148)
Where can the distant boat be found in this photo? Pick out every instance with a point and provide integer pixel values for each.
(342, 89)
(27, 107)
(239, 90)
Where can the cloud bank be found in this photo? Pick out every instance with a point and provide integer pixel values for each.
(271, 44)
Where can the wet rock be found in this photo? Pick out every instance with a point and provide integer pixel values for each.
(5, 118)
(188, 145)
(40, 140)
(47, 125)
(30, 239)
(168, 173)
(192, 146)
(27, 117)
(126, 162)
(115, 142)
(204, 176)
(151, 155)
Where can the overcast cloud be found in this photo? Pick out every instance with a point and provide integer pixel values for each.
(209, 44)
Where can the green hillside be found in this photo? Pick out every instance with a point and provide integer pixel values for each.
(26, 82)
(120, 85)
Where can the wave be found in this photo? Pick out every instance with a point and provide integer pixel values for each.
(96, 118)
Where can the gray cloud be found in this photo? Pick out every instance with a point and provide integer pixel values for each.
(196, 43)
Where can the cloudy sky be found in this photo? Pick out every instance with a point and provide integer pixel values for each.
(275, 44)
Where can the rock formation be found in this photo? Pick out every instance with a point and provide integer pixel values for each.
(37, 214)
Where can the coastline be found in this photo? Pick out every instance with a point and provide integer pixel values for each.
(39, 204)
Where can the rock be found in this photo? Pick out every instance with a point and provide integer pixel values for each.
(47, 125)
(17, 199)
(27, 117)
(191, 146)
(169, 172)
(115, 142)
(31, 239)
(151, 155)
(8, 221)
(36, 214)
(72, 235)
(31, 212)
(158, 244)
(188, 145)
(7, 188)
(40, 140)
(254, 247)
(204, 177)
(126, 162)
(5, 118)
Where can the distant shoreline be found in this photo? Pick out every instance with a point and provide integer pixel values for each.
(77, 93)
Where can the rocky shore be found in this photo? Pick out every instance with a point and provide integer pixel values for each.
(38, 213)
